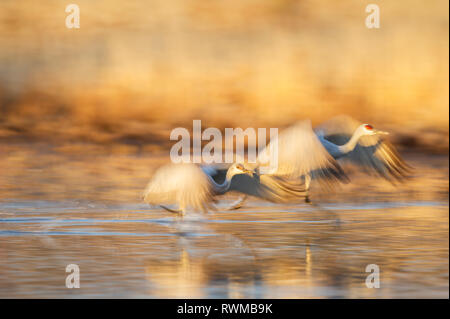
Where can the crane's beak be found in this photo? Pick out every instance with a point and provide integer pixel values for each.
(381, 132)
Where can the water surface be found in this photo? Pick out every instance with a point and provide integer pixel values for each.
(58, 209)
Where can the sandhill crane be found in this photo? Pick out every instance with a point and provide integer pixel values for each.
(192, 186)
(301, 150)
(188, 186)
(347, 139)
(303, 155)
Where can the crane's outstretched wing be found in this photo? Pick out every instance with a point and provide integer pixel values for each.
(183, 184)
(372, 153)
(273, 188)
(298, 152)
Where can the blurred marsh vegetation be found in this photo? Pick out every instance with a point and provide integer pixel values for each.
(135, 69)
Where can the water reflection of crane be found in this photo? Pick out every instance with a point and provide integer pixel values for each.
(199, 277)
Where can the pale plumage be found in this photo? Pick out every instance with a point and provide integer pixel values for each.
(300, 157)
(301, 154)
(188, 186)
(305, 155)
(370, 152)
(184, 185)
(272, 188)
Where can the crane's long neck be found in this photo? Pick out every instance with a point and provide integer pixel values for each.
(223, 188)
(351, 144)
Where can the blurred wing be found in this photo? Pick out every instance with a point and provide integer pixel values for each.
(300, 153)
(372, 152)
(182, 184)
(269, 187)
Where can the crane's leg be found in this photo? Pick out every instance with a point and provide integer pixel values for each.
(307, 183)
(237, 204)
(180, 211)
(205, 208)
(175, 211)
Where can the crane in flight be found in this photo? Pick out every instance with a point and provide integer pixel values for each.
(303, 155)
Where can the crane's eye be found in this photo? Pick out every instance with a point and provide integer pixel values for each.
(368, 127)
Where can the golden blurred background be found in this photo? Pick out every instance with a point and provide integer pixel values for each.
(85, 118)
(137, 69)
